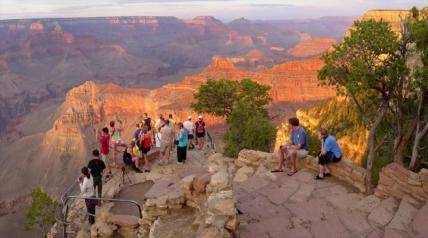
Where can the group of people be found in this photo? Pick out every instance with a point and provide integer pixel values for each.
(297, 148)
(165, 133)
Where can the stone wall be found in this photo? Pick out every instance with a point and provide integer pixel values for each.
(250, 162)
(210, 195)
(399, 182)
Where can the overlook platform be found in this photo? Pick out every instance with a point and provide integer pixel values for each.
(180, 199)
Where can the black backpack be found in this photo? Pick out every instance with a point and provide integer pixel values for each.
(127, 158)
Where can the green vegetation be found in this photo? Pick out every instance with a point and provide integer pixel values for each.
(382, 94)
(243, 104)
(42, 212)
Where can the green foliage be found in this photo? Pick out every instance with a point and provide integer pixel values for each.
(216, 97)
(220, 97)
(243, 104)
(248, 129)
(365, 63)
(42, 211)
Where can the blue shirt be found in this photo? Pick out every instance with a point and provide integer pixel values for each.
(184, 139)
(299, 137)
(331, 145)
(137, 134)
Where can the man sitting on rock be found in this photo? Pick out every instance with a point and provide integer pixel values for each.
(330, 152)
(297, 147)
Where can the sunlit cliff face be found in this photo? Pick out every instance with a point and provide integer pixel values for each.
(94, 105)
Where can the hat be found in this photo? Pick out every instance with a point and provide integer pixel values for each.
(200, 117)
(189, 117)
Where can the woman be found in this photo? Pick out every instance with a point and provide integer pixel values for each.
(145, 144)
(115, 138)
(330, 152)
(181, 139)
(87, 188)
(132, 155)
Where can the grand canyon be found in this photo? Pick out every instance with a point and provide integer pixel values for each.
(62, 78)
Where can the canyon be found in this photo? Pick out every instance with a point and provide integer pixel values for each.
(41, 59)
(62, 78)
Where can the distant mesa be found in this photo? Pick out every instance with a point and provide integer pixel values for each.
(37, 26)
(311, 47)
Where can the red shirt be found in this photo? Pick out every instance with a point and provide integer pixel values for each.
(104, 141)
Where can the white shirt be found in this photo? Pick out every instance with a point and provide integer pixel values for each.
(87, 187)
(189, 125)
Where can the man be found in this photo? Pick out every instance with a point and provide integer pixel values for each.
(200, 132)
(171, 121)
(330, 152)
(97, 166)
(137, 132)
(147, 121)
(159, 122)
(190, 127)
(103, 138)
(297, 147)
(167, 139)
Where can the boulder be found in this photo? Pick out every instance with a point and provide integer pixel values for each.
(200, 183)
(254, 158)
(243, 174)
(124, 221)
(102, 230)
(403, 217)
(219, 181)
(419, 223)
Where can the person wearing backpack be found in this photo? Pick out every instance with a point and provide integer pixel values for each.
(200, 132)
(181, 139)
(145, 144)
(131, 156)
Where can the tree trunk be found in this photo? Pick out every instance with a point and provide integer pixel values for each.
(372, 147)
(419, 134)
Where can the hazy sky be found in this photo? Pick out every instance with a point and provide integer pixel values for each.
(222, 9)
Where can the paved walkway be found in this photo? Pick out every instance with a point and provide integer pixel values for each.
(299, 206)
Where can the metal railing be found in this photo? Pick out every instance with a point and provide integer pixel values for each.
(211, 141)
(61, 215)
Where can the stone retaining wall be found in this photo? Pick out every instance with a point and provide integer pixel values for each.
(399, 182)
(249, 161)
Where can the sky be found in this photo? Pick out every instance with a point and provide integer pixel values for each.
(223, 9)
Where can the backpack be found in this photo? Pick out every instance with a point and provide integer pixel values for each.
(127, 158)
(147, 141)
(200, 127)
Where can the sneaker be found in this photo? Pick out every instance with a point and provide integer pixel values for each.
(179, 162)
(137, 170)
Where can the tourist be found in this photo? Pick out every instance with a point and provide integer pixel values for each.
(147, 121)
(86, 184)
(159, 122)
(115, 138)
(171, 121)
(190, 127)
(103, 138)
(167, 140)
(181, 142)
(132, 156)
(330, 152)
(296, 148)
(97, 166)
(145, 144)
(137, 132)
(200, 132)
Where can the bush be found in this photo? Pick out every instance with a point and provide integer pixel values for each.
(248, 129)
(42, 212)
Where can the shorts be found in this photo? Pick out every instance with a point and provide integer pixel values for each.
(200, 134)
(145, 150)
(301, 154)
(106, 159)
(190, 137)
(165, 147)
